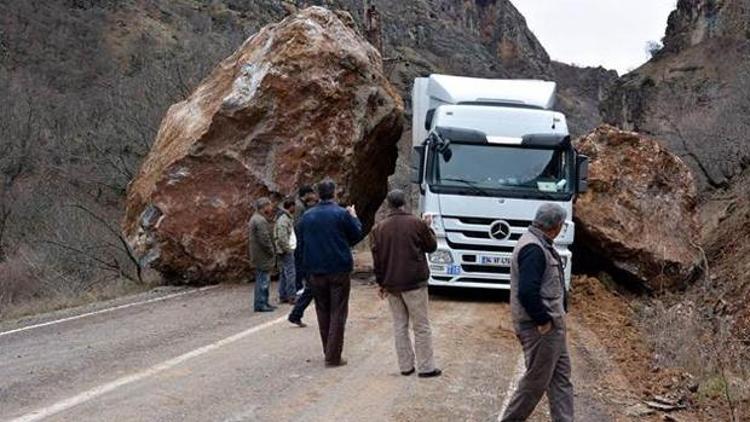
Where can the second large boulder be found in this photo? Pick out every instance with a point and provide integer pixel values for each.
(640, 214)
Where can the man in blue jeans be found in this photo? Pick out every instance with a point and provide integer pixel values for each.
(327, 234)
(307, 199)
(262, 252)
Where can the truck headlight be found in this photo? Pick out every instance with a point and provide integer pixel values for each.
(441, 257)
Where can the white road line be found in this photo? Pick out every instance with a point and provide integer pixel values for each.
(111, 386)
(517, 374)
(102, 311)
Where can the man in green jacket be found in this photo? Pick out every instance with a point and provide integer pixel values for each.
(262, 251)
(286, 243)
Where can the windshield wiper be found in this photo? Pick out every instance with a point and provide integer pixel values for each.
(470, 184)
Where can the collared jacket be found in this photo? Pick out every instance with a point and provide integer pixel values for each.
(327, 233)
(399, 247)
(260, 237)
(286, 240)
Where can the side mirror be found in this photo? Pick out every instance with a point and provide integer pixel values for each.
(417, 164)
(428, 119)
(582, 172)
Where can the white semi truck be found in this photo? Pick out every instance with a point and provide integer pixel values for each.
(487, 153)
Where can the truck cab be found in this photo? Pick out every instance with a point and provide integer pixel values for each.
(487, 153)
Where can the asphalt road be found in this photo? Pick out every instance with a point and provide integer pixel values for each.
(204, 356)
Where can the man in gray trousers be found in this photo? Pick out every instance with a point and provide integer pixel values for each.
(538, 302)
(399, 246)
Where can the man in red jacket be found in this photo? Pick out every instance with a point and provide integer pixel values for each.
(399, 247)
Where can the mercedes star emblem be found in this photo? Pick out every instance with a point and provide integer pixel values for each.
(500, 230)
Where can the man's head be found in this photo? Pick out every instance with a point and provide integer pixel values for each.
(304, 191)
(264, 206)
(276, 198)
(326, 190)
(289, 205)
(550, 219)
(396, 199)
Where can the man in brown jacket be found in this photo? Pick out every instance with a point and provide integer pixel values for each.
(399, 245)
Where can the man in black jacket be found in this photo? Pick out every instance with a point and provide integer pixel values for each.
(399, 247)
(538, 300)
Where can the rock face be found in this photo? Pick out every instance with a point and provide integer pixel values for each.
(640, 213)
(579, 93)
(298, 101)
(694, 95)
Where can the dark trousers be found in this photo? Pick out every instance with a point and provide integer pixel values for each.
(303, 301)
(331, 293)
(547, 371)
(298, 271)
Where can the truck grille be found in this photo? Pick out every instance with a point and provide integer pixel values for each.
(487, 221)
(485, 269)
(485, 248)
(481, 280)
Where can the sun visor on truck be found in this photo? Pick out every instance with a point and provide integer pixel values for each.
(463, 136)
(546, 140)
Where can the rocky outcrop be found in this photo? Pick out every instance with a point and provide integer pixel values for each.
(640, 214)
(579, 93)
(694, 95)
(298, 101)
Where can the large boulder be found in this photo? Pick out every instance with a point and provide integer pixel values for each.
(300, 100)
(640, 213)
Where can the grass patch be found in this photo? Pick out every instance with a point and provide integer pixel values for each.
(42, 305)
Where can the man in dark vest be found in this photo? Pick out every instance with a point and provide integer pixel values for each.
(538, 301)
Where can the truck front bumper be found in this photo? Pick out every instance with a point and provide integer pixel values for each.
(468, 271)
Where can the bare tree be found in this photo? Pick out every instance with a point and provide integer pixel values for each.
(19, 126)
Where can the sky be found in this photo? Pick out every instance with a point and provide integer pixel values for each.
(609, 33)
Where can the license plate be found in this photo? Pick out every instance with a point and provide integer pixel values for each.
(454, 269)
(500, 261)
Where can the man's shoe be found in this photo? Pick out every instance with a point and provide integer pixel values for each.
(265, 309)
(298, 323)
(409, 372)
(341, 362)
(432, 374)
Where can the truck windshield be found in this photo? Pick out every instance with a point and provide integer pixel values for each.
(492, 170)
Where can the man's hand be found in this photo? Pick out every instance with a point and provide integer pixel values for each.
(382, 293)
(352, 210)
(544, 329)
(427, 218)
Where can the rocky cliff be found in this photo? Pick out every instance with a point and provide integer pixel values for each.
(695, 93)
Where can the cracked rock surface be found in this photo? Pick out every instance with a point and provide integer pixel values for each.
(298, 101)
